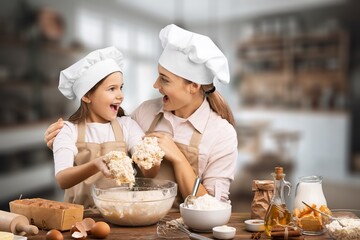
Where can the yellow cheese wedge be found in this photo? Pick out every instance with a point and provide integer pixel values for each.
(6, 236)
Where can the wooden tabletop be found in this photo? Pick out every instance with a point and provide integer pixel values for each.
(150, 232)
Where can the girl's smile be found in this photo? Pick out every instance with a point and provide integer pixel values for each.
(105, 101)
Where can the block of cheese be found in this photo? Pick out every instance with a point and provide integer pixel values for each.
(6, 236)
(48, 214)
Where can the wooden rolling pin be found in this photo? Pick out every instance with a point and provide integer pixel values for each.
(16, 223)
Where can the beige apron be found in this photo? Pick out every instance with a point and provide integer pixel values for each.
(191, 153)
(88, 151)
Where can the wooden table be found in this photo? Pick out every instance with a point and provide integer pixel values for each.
(149, 232)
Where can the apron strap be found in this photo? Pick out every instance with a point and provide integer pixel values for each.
(195, 139)
(81, 132)
(155, 122)
(115, 126)
(119, 136)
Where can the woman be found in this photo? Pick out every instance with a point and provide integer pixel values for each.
(193, 123)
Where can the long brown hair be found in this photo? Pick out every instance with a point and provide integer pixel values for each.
(218, 103)
(82, 112)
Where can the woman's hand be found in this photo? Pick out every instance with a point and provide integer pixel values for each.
(52, 131)
(167, 144)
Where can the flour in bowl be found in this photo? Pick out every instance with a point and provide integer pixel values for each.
(208, 202)
(351, 229)
(135, 208)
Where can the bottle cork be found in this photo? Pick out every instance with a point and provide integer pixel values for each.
(279, 171)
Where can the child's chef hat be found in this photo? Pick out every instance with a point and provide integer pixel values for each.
(192, 56)
(79, 78)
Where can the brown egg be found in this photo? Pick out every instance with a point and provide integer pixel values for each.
(100, 230)
(54, 235)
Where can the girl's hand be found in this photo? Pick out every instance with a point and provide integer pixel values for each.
(52, 131)
(167, 144)
(102, 166)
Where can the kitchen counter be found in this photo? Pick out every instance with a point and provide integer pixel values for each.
(149, 232)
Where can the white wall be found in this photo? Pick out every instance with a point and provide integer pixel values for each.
(323, 149)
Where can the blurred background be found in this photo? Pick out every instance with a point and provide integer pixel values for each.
(294, 91)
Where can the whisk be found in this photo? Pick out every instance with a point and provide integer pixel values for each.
(168, 228)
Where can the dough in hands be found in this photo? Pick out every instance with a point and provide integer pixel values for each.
(120, 166)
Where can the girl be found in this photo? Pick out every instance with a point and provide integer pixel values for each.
(96, 128)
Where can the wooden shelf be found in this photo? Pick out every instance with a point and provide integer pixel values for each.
(27, 181)
(332, 52)
(300, 66)
(22, 136)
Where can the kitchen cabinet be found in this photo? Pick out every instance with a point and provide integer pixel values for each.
(304, 71)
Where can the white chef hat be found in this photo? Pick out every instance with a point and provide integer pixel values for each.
(192, 56)
(79, 78)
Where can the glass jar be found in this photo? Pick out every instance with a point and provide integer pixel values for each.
(309, 190)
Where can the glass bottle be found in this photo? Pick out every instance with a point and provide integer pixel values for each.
(277, 213)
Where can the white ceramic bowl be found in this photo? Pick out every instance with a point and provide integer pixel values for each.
(144, 204)
(224, 232)
(205, 220)
(254, 225)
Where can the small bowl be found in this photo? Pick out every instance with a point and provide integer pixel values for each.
(255, 225)
(205, 220)
(224, 232)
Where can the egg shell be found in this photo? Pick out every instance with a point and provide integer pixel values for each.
(100, 230)
(54, 235)
(88, 223)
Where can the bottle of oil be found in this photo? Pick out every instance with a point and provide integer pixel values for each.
(277, 213)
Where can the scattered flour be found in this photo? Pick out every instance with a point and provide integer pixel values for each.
(208, 202)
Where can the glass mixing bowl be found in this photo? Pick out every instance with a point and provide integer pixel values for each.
(143, 204)
(346, 227)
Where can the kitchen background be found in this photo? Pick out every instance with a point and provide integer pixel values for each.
(295, 82)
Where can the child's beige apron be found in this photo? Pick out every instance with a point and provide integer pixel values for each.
(87, 151)
(191, 153)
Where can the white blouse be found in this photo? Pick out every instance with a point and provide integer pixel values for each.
(218, 147)
(64, 147)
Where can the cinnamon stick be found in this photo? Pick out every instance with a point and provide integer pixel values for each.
(290, 233)
(280, 229)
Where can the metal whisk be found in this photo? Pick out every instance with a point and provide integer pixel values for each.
(168, 228)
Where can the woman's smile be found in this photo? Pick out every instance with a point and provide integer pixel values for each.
(165, 99)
